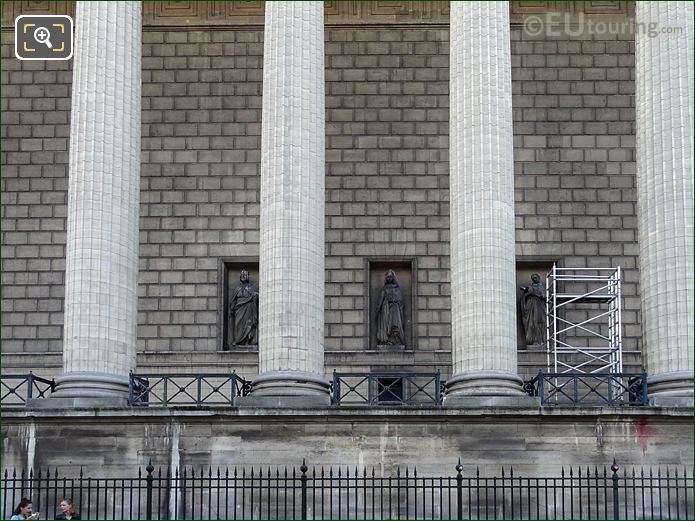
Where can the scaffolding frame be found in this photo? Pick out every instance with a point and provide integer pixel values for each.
(603, 288)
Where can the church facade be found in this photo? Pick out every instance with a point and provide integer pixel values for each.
(295, 189)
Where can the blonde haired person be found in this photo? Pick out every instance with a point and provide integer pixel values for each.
(67, 510)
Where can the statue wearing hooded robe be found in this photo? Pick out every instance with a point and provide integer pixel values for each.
(390, 313)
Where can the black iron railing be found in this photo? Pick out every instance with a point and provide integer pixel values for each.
(17, 389)
(589, 389)
(186, 390)
(386, 388)
(318, 493)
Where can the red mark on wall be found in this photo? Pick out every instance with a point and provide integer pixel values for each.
(644, 432)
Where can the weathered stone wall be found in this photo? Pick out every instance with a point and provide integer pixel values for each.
(534, 443)
(386, 181)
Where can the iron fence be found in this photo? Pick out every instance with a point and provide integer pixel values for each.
(17, 389)
(186, 390)
(318, 493)
(386, 388)
(589, 389)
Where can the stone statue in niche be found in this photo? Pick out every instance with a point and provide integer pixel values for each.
(533, 312)
(243, 313)
(389, 317)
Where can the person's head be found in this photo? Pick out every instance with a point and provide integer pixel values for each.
(67, 506)
(24, 508)
(390, 277)
(244, 276)
(536, 278)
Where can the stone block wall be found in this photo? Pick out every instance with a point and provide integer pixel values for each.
(386, 181)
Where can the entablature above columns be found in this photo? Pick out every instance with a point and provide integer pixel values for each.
(208, 13)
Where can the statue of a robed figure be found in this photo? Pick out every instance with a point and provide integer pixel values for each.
(390, 315)
(533, 310)
(243, 313)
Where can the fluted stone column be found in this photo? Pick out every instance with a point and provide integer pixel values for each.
(664, 115)
(483, 292)
(99, 345)
(292, 208)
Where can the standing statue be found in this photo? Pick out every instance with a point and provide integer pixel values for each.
(389, 315)
(243, 313)
(533, 311)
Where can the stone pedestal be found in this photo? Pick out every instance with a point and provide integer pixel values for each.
(100, 333)
(292, 209)
(481, 166)
(664, 117)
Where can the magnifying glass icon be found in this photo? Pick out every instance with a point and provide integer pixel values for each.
(43, 35)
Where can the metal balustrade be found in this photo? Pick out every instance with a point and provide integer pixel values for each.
(386, 388)
(186, 389)
(18, 389)
(589, 389)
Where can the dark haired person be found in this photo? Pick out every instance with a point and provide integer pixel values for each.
(24, 510)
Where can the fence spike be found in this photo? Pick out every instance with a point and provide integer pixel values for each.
(658, 472)
(364, 472)
(595, 471)
(159, 472)
(176, 473)
(562, 471)
(31, 473)
(14, 473)
(398, 472)
(192, 472)
(339, 471)
(604, 471)
(81, 470)
(22, 474)
(372, 472)
(313, 473)
(415, 472)
(477, 472)
(502, 472)
(651, 473)
(571, 473)
(251, 472)
(511, 472)
(294, 472)
(406, 473)
(218, 472)
(56, 473)
(667, 473)
(5, 473)
(321, 472)
(235, 472)
(285, 472)
(675, 473)
(356, 471)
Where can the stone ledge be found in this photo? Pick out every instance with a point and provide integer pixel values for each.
(347, 413)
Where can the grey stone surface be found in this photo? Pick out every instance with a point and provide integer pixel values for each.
(387, 181)
(533, 441)
(665, 194)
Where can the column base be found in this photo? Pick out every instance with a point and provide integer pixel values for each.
(288, 389)
(84, 389)
(674, 389)
(487, 389)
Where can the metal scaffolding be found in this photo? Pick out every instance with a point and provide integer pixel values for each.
(584, 325)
